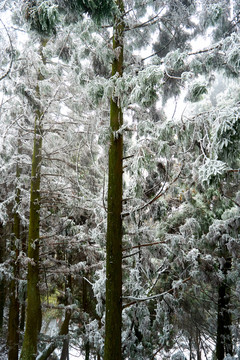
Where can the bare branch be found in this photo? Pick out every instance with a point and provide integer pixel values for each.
(127, 256)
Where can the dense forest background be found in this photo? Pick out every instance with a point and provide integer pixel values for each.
(119, 172)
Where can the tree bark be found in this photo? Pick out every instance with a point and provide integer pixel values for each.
(112, 349)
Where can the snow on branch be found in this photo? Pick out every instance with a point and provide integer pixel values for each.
(153, 297)
(157, 196)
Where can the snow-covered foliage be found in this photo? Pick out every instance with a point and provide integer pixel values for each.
(181, 175)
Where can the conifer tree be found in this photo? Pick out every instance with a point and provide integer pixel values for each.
(34, 312)
(112, 349)
(188, 161)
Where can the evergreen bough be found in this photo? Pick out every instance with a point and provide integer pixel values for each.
(97, 9)
(42, 16)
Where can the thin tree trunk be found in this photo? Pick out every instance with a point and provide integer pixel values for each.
(65, 349)
(13, 319)
(190, 348)
(87, 351)
(224, 319)
(112, 349)
(34, 314)
(24, 295)
(198, 345)
(86, 310)
(2, 280)
(68, 286)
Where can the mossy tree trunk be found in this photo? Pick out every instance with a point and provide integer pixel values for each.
(224, 318)
(33, 313)
(2, 280)
(112, 349)
(13, 318)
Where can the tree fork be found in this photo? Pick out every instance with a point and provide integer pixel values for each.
(112, 348)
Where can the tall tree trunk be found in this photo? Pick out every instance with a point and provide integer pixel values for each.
(224, 319)
(2, 280)
(112, 349)
(13, 319)
(33, 313)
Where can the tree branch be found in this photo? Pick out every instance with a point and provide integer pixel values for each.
(124, 214)
(153, 297)
(143, 245)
